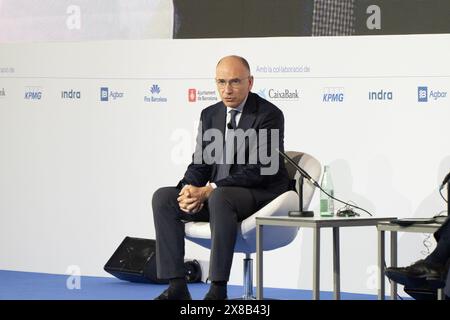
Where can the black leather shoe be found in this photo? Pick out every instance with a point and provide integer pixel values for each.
(177, 295)
(423, 293)
(216, 293)
(211, 296)
(419, 274)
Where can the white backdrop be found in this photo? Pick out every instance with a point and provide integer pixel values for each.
(77, 175)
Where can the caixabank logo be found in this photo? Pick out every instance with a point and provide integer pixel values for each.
(108, 95)
(425, 95)
(279, 94)
(155, 95)
(33, 93)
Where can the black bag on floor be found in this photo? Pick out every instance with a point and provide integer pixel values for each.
(135, 260)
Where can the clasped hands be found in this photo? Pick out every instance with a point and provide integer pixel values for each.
(191, 199)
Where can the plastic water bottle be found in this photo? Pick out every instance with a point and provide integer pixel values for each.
(326, 203)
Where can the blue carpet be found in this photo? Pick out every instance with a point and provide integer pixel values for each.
(16, 285)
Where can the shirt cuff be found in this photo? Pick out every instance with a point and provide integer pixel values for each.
(213, 185)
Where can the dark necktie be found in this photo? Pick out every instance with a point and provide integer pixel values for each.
(223, 170)
(233, 114)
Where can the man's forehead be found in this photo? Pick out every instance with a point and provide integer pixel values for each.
(235, 70)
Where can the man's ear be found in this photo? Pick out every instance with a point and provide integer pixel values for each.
(250, 81)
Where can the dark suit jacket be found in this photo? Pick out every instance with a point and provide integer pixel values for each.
(443, 234)
(258, 114)
(443, 231)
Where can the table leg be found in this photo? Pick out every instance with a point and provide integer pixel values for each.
(381, 294)
(259, 262)
(393, 263)
(440, 294)
(336, 264)
(316, 264)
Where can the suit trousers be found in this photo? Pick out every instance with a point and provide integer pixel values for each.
(441, 254)
(224, 209)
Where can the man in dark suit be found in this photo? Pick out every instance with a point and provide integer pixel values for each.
(430, 272)
(223, 187)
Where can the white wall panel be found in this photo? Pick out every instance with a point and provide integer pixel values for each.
(76, 176)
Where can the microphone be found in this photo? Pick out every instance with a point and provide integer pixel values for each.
(303, 172)
(229, 126)
(447, 177)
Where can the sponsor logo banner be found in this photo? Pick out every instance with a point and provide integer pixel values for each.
(71, 94)
(381, 95)
(33, 93)
(425, 95)
(195, 95)
(108, 95)
(333, 94)
(155, 95)
(280, 94)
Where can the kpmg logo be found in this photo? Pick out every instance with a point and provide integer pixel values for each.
(2, 93)
(72, 94)
(333, 94)
(423, 96)
(381, 95)
(195, 95)
(107, 95)
(155, 96)
(33, 93)
(280, 94)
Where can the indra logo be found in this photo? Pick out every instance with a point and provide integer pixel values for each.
(106, 95)
(72, 94)
(33, 93)
(381, 95)
(2, 92)
(155, 96)
(333, 94)
(423, 96)
(280, 94)
(195, 95)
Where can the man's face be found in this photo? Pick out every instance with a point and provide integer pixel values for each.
(233, 81)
